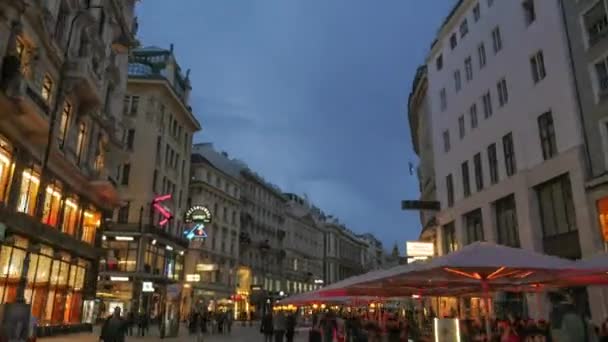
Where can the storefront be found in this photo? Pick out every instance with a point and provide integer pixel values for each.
(55, 282)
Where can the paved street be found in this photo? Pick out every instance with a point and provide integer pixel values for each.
(250, 334)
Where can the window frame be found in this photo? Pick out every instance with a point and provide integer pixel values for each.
(468, 67)
(497, 42)
(478, 169)
(466, 179)
(450, 190)
(507, 228)
(488, 110)
(493, 163)
(547, 135)
(482, 55)
(537, 65)
(508, 146)
(503, 92)
(473, 116)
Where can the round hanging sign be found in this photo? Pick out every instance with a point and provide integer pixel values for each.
(197, 214)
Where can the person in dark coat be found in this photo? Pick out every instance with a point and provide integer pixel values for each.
(315, 334)
(142, 324)
(266, 327)
(290, 329)
(114, 328)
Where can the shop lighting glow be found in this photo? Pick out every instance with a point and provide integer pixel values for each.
(119, 278)
(153, 242)
(54, 193)
(71, 204)
(4, 159)
(31, 177)
(124, 238)
(169, 248)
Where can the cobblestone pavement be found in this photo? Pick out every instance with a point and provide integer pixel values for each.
(249, 334)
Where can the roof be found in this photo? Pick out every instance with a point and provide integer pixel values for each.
(205, 152)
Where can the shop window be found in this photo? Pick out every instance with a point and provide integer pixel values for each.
(71, 215)
(52, 203)
(11, 264)
(91, 223)
(6, 169)
(125, 254)
(27, 194)
(602, 209)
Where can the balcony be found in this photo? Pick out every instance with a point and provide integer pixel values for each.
(86, 79)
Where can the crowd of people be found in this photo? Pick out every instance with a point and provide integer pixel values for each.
(278, 327)
(206, 322)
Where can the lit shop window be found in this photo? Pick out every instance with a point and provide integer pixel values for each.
(30, 183)
(602, 209)
(91, 222)
(52, 203)
(6, 169)
(70, 216)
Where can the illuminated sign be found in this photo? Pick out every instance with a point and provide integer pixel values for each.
(164, 212)
(206, 267)
(119, 278)
(197, 215)
(419, 249)
(193, 277)
(147, 286)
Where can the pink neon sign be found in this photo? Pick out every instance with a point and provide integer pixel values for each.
(162, 210)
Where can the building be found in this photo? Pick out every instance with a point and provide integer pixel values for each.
(303, 246)
(419, 117)
(374, 255)
(211, 263)
(60, 137)
(142, 270)
(508, 151)
(262, 254)
(344, 253)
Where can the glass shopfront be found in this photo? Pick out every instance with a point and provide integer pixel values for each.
(30, 181)
(54, 284)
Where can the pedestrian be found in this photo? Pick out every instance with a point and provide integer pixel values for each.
(315, 331)
(130, 322)
(193, 322)
(114, 328)
(142, 324)
(279, 324)
(290, 327)
(567, 325)
(229, 321)
(266, 327)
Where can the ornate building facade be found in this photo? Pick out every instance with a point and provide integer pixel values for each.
(61, 135)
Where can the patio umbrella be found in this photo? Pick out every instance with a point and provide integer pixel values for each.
(483, 265)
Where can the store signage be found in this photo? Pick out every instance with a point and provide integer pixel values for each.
(198, 216)
(193, 277)
(119, 278)
(147, 286)
(318, 281)
(206, 267)
(164, 212)
(419, 249)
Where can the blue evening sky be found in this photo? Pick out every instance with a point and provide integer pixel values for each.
(312, 94)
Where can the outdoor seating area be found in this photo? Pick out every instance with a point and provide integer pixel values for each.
(480, 270)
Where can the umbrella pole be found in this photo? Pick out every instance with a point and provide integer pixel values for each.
(486, 296)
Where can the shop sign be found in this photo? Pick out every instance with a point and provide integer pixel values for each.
(119, 278)
(419, 249)
(164, 212)
(206, 267)
(193, 277)
(147, 286)
(198, 216)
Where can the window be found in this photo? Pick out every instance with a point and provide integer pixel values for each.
(453, 41)
(487, 105)
(497, 40)
(30, 182)
(126, 171)
(90, 224)
(131, 139)
(478, 171)
(450, 189)
(596, 22)
(64, 124)
(449, 238)
(446, 141)
(457, 80)
(461, 128)
(546, 131)
(529, 11)
(468, 67)
(503, 93)
(466, 184)
(80, 141)
(473, 115)
(537, 63)
(47, 89)
(71, 213)
(439, 62)
(464, 28)
(481, 54)
(493, 162)
(131, 105)
(154, 181)
(473, 225)
(52, 203)
(509, 151)
(476, 12)
(443, 99)
(506, 222)
(556, 206)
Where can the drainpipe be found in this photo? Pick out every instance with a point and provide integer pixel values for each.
(577, 92)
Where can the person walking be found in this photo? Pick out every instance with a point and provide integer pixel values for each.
(279, 324)
(290, 327)
(114, 328)
(266, 327)
(567, 325)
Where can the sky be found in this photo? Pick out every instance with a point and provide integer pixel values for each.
(311, 94)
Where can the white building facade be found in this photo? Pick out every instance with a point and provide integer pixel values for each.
(507, 143)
